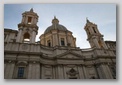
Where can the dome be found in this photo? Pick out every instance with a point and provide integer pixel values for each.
(55, 26)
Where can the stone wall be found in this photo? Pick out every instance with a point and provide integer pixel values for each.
(42, 62)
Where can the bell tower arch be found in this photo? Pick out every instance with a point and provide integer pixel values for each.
(95, 38)
(28, 28)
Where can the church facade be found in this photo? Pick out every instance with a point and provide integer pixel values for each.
(56, 56)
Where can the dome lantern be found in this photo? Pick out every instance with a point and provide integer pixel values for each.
(55, 20)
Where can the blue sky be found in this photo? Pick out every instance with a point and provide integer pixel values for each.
(72, 16)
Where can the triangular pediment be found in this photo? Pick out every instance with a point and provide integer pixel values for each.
(70, 55)
(22, 63)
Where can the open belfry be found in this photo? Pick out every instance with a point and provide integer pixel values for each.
(56, 55)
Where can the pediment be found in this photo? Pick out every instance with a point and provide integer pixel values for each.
(22, 63)
(70, 55)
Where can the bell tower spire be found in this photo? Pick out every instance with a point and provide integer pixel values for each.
(31, 10)
(87, 20)
(28, 28)
(95, 38)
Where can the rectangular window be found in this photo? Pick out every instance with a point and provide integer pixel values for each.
(62, 42)
(20, 72)
(29, 20)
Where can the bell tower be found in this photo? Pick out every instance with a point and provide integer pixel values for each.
(95, 38)
(28, 28)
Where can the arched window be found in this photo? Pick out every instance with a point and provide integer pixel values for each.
(29, 20)
(26, 38)
(49, 43)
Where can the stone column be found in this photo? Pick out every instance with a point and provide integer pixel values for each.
(65, 40)
(6, 39)
(9, 70)
(19, 35)
(96, 43)
(37, 71)
(56, 39)
(26, 19)
(65, 75)
(34, 71)
(71, 40)
(104, 45)
(105, 71)
(74, 40)
(29, 71)
(68, 39)
(35, 20)
(33, 36)
(22, 19)
(100, 73)
(85, 72)
(6, 71)
(56, 70)
(109, 72)
(60, 72)
(53, 70)
(32, 21)
(80, 70)
(42, 72)
(53, 40)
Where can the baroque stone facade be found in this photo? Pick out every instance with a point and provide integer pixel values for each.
(56, 55)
